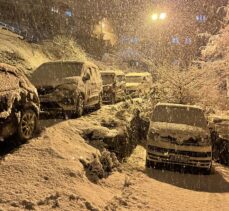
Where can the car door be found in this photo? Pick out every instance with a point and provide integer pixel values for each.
(93, 86)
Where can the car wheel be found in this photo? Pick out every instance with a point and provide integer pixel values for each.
(80, 106)
(27, 125)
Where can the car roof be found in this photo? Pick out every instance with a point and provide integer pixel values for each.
(88, 64)
(138, 74)
(179, 106)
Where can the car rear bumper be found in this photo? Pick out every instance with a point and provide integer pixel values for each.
(180, 157)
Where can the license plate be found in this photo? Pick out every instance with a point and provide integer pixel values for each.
(179, 158)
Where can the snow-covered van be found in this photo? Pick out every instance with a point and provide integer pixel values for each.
(68, 86)
(19, 104)
(138, 83)
(179, 134)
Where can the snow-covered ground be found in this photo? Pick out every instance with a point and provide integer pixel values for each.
(46, 173)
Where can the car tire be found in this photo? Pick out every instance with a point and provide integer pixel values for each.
(27, 125)
(80, 106)
(207, 171)
(148, 163)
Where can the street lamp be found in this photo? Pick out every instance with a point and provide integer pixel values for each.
(162, 16)
(155, 17)
(159, 16)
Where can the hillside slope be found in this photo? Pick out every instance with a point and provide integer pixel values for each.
(17, 52)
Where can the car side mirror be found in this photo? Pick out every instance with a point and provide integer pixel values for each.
(86, 77)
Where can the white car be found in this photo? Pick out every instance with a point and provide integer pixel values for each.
(179, 134)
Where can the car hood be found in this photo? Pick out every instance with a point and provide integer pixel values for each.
(71, 80)
(56, 82)
(132, 85)
(179, 131)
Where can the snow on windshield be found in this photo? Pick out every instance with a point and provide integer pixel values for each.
(54, 72)
(134, 79)
(179, 115)
(107, 79)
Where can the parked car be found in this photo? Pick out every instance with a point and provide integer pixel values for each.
(19, 104)
(68, 87)
(179, 134)
(114, 85)
(138, 83)
(219, 127)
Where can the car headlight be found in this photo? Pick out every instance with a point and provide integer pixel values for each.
(153, 136)
(206, 141)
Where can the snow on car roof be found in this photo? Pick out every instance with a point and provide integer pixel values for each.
(115, 72)
(70, 62)
(179, 105)
(138, 74)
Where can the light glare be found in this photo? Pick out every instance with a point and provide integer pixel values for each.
(163, 16)
(154, 17)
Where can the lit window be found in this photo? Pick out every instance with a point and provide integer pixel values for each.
(54, 10)
(201, 18)
(188, 41)
(134, 40)
(175, 40)
(68, 13)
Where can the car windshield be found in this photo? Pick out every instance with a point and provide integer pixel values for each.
(179, 115)
(134, 79)
(54, 72)
(107, 79)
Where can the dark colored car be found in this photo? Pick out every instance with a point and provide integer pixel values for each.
(219, 127)
(19, 104)
(114, 86)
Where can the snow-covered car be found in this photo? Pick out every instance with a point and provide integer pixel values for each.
(179, 134)
(68, 87)
(19, 104)
(219, 127)
(138, 83)
(114, 85)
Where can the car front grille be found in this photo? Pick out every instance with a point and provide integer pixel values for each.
(179, 152)
(189, 142)
(45, 90)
